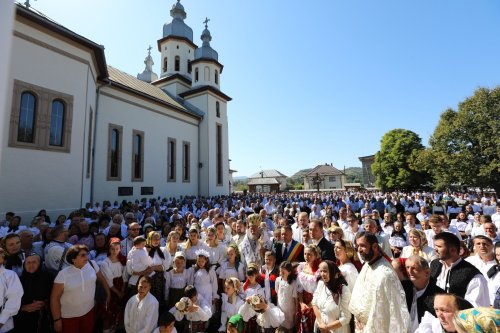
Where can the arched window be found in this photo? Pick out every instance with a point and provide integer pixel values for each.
(206, 74)
(177, 63)
(56, 123)
(196, 75)
(165, 63)
(114, 160)
(217, 109)
(216, 77)
(27, 116)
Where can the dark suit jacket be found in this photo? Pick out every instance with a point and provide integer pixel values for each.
(278, 249)
(326, 250)
(424, 302)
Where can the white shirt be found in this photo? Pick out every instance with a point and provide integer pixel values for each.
(141, 316)
(480, 264)
(203, 314)
(477, 289)
(79, 284)
(11, 292)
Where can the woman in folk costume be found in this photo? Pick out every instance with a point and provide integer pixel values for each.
(176, 280)
(160, 263)
(251, 287)
(418, 245)
(231, 301)
(192, 245)
(331, 300)
(232, 266)
(255, 243)
(307, 276)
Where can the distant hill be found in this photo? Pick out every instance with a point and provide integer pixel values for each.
(299, 175)
(240, 178)
(354, 175)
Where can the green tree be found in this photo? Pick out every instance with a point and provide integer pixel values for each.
(464, 149)
(398, 149)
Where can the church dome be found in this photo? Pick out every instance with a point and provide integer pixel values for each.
(177, 27)
(206, 51)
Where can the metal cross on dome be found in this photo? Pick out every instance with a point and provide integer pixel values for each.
(27, 3)
(149, 49)
(206, 22)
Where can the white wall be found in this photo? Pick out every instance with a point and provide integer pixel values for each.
(34, 179)
(158, 124)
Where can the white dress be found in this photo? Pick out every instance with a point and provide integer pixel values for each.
(228, 310)
(331, 311)
(287, 296)
(225, 271)
(204, 282)
(350, 274)
(217, 254)
(112, 270)
(306, 282)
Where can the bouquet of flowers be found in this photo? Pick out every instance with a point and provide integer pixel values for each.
(183, 304)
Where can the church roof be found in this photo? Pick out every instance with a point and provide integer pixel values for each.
(128, 82)
(177, 27)
(267, 174)
(263, 181)
(324, 170)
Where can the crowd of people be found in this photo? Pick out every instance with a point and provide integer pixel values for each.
(288, 262)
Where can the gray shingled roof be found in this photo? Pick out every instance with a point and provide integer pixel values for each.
(144, 88)
(267, 174)
(324, 170)
(263, 181)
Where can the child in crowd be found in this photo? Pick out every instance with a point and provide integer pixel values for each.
(232, 266)
(268, 317)
(166, 323)
(288, 302)
(141, 312)
(270, 273)
(203, 277)
(231, 300)
(176, 280)
(250, 288)
(235, 324)
(195, 313)
(138, 262)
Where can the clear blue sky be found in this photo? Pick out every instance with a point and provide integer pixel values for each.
(314, 81)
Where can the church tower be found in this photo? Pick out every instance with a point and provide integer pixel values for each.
(148, 75)
(206, 95)
(177, 51)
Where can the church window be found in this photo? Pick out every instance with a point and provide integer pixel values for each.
(196, 75)
(171, 160)
(89, 142)
(27, 116)
(56, 123)
(189, 66)
(218, 152)
(177, 63)
(216, 77)
(217, 109)
(186, 150)
(206, 74)
(114, 152)
(40, 118)
(137, 155)
(165, 64)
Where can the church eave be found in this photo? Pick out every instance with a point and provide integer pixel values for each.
(213, 61)
(97, 50)
(175, 38)
(154, 99)
(173, 77)
(203, 89)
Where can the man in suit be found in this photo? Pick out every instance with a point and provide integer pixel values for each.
(419, 289)
(288, 249)
(318, 236)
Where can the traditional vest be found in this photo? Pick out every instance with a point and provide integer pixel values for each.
(459, 277)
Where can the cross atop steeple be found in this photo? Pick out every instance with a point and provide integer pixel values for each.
(149, 50)
(27, 4)
(206, 22)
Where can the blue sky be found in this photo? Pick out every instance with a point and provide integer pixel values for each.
(314, 82)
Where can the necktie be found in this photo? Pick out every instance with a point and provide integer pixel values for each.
(285, 249)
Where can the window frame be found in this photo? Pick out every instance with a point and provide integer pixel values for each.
(42, 120)
(186, 162)
(119, 129)
(137, 133)
(171, 160)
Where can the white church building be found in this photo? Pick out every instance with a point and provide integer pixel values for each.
(77, 130)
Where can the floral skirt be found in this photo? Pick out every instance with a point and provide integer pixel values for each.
(306, 317)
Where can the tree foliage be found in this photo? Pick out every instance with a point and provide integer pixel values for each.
(392, 167)
(464, 149)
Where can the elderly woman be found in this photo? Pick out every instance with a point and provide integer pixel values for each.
(14, 257)
(76, 282)
(33, 315)
(418, 245)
